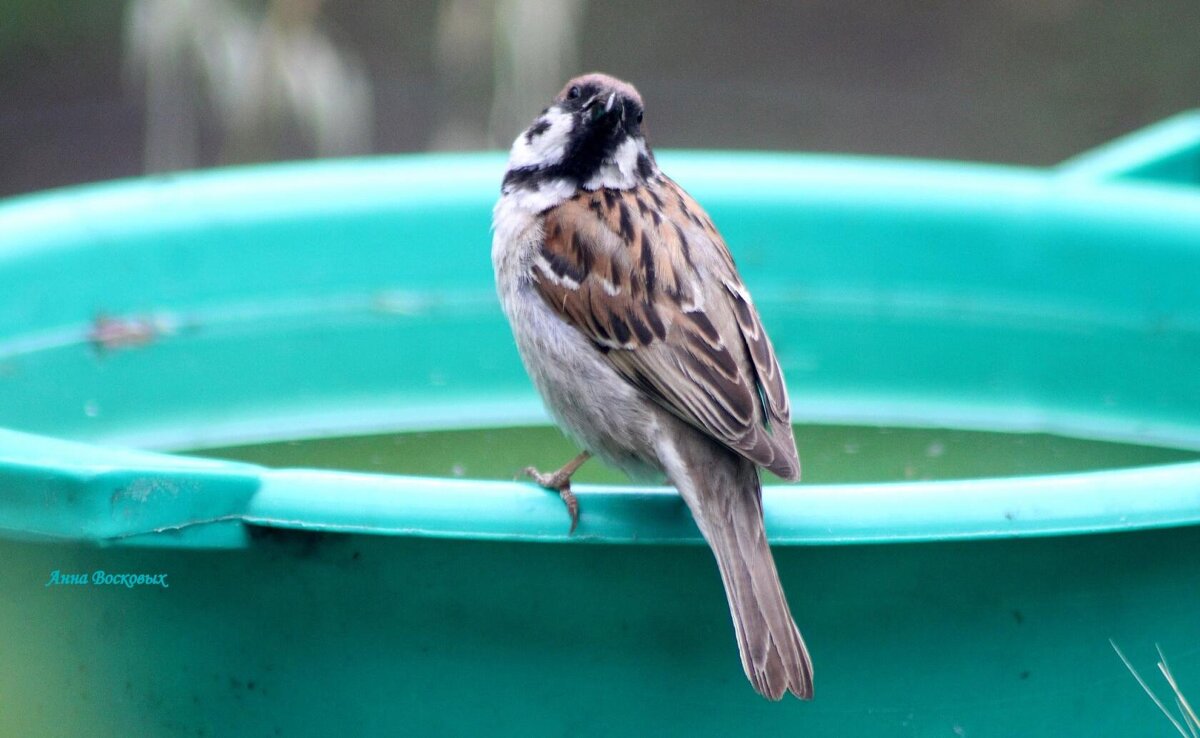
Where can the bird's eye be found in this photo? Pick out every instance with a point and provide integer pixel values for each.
(639, 117)
(573, 93)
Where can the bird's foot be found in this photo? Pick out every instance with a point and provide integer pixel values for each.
(560, 482)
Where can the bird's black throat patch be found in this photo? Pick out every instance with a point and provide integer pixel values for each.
(587, 148)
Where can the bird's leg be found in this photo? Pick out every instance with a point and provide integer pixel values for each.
(560, 481)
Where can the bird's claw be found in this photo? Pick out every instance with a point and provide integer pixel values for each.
(560, 483)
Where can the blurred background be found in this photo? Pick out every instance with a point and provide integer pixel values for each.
(97, 89)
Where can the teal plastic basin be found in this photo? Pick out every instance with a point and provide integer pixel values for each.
(337, 299)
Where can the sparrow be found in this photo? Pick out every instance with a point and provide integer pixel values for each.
(645, 346)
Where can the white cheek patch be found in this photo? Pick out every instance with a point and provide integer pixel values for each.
(643, 150)
(619, 170)
(543, 143)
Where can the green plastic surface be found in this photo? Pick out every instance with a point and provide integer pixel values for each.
(354, 297)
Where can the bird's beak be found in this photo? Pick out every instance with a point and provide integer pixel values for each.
(599, 106)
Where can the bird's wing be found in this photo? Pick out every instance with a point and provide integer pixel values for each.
(645, 276)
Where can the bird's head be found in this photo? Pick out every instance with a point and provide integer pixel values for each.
(591, 136)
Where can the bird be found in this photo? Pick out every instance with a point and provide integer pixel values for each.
(641, 338)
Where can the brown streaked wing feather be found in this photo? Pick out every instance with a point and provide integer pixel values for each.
(768, 374)
(624, 268)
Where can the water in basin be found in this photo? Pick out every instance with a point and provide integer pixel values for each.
(830, 454)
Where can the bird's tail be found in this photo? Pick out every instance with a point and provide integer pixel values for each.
(730, 516)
